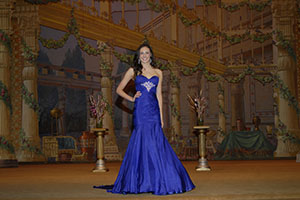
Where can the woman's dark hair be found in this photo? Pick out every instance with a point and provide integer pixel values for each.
(137, 66)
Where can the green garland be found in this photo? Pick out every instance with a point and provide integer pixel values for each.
(174, 111)
(55, 44)
(188, 71)
(284, 43)
(38, 2)
(286, 135)
(73, 29)
(209, 76)
(285, 93)
(221, 92)
(4, 96)
(126, 58)
(161, 7)
(5, 40)
(237, 6)
(26, 145)
(30, 100)
(5, 144)
(28, 55)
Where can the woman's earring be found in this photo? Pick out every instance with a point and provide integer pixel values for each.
(139, 61)
(150, 61)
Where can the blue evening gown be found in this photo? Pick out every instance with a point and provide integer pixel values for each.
(150, 164)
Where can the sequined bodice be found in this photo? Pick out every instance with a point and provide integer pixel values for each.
(146, 108)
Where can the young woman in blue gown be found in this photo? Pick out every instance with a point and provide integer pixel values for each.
(149, 164)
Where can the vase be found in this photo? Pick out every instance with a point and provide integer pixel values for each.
(200, 122)
(99, 123)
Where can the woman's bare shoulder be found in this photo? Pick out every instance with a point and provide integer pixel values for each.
(158, 71)
(130, 72)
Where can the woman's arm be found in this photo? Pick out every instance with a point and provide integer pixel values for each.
(120, 89)
(159, 95)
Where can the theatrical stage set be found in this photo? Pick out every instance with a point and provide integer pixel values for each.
(230, 99)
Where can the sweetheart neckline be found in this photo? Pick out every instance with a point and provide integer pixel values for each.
(147, 77)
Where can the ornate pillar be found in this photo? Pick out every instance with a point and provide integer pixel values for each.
(222, 119)
(7, 153)
(175, 100)
(29, 22)
(284, 16)
(220, 39)
(237, 110)
(110, 148)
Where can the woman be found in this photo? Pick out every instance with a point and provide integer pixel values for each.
(150, 164)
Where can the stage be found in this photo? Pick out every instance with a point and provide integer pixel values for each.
(243, 180)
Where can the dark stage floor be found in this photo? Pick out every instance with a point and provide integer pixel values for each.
(263, 180)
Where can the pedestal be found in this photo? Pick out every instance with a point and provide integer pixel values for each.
(100, 164)
(201, 134)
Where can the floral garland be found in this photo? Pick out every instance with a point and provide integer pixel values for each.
(126, 58)
(5, 40)
(210, 77)
(221, 92)
(4, 96)
(221, 131)
(285, 93)
(161, 7)
(284, 43)
(237, 6)
(173, 78)
(286, 135)
(30, 100)
(187, 71)
(5, 144)
(54, 44)
(28, 55)
(73, 29)
(26, 145)
(174, 111)
(41, 1)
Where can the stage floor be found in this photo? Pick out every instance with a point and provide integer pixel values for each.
(243, 180)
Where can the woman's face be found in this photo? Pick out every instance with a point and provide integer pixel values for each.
(145, 55)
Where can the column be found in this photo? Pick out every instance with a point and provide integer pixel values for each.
(111, 149)
(237, 108)
(219, 39)
(7, 155)
(222, 119)
(175, 101)
(28, 19)
(284, 15)
(174, 28)
(105, 10)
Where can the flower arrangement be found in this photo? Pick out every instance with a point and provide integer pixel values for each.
(97, 109)
(198, 104)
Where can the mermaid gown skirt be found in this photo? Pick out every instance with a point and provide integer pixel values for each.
(150, 164)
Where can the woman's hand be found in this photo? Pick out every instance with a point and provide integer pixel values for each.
(162, 124)
(137, 95)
